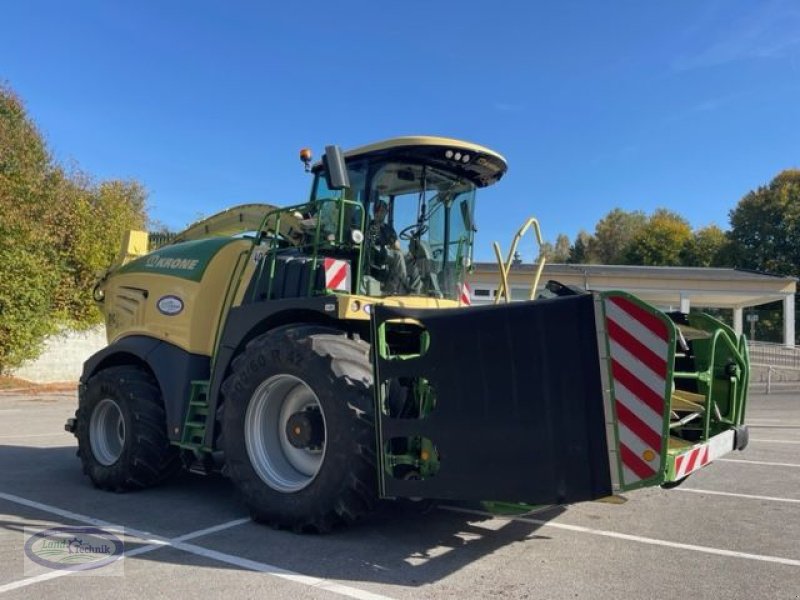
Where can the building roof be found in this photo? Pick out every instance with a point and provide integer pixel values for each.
(682, 273)
(662, 286)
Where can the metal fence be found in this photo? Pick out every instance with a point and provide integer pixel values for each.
(780, 364)
(160, 238)
(774, 355)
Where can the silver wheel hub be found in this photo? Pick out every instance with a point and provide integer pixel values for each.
(281, 406)
(107, 432)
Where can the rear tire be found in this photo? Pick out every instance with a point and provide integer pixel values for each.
(291, 482)
(122, 431)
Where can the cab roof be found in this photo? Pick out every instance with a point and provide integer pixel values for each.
(477, 163)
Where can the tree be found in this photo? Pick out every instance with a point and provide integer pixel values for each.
(765, 226)
(57, 231)
(613, 234)
(26, 199)
(547, 250)
(561, 249)
(706, 248)
(579, 251)
(765, 235)
(661, 241)
(99, 215)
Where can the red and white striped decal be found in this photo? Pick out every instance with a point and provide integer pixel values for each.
(699, 456)
(465, 295)
(337, 274)
(691, 461)
(639, 351)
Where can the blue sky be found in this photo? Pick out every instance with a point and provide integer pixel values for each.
(595, 105)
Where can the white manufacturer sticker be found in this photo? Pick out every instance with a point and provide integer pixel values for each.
(169, 305)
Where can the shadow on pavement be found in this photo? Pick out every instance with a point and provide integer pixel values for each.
(397, 544)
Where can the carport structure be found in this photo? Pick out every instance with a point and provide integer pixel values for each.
(676, 288)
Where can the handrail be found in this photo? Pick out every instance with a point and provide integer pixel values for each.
(228, 300)
(505, 266)
(338, 239)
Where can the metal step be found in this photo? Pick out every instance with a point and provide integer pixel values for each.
(194, 428)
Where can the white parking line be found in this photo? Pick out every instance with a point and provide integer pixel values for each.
(72, 516)
(775, 441)
(308, 580)
(636, 538)
(758, 462)
(155, 542)
(747, 496)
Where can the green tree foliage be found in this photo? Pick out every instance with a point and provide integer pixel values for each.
(765, 226)
(765, 235)
(708, 247)
(613, 234)
(579, 251)
(561, 249)
(57, 231)
(548, 251)
(98, 216)
(26, 286)
(661, 241)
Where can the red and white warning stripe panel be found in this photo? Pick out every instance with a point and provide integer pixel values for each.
(699, 456)
(337, 274)
(465, 295)
(640, 353)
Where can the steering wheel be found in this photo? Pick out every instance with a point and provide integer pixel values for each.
(412, 231)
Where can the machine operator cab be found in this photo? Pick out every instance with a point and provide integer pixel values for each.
(409, 204)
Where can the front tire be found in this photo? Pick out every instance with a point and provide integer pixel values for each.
(297, 428)
(122, 431)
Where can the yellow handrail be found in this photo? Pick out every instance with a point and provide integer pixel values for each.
(505, 266)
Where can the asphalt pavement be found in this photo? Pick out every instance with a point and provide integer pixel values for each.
(732, 530)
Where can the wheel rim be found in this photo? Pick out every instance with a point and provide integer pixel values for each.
(107, 432)
(282, 466)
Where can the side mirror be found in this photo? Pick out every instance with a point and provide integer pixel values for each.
(335, 169)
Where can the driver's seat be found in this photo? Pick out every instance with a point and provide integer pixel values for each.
(419, 252)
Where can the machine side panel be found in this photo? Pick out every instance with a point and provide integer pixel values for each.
(173, 368)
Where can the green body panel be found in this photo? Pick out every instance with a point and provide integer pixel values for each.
(187, 260)
(723, 368)
(722, 376)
